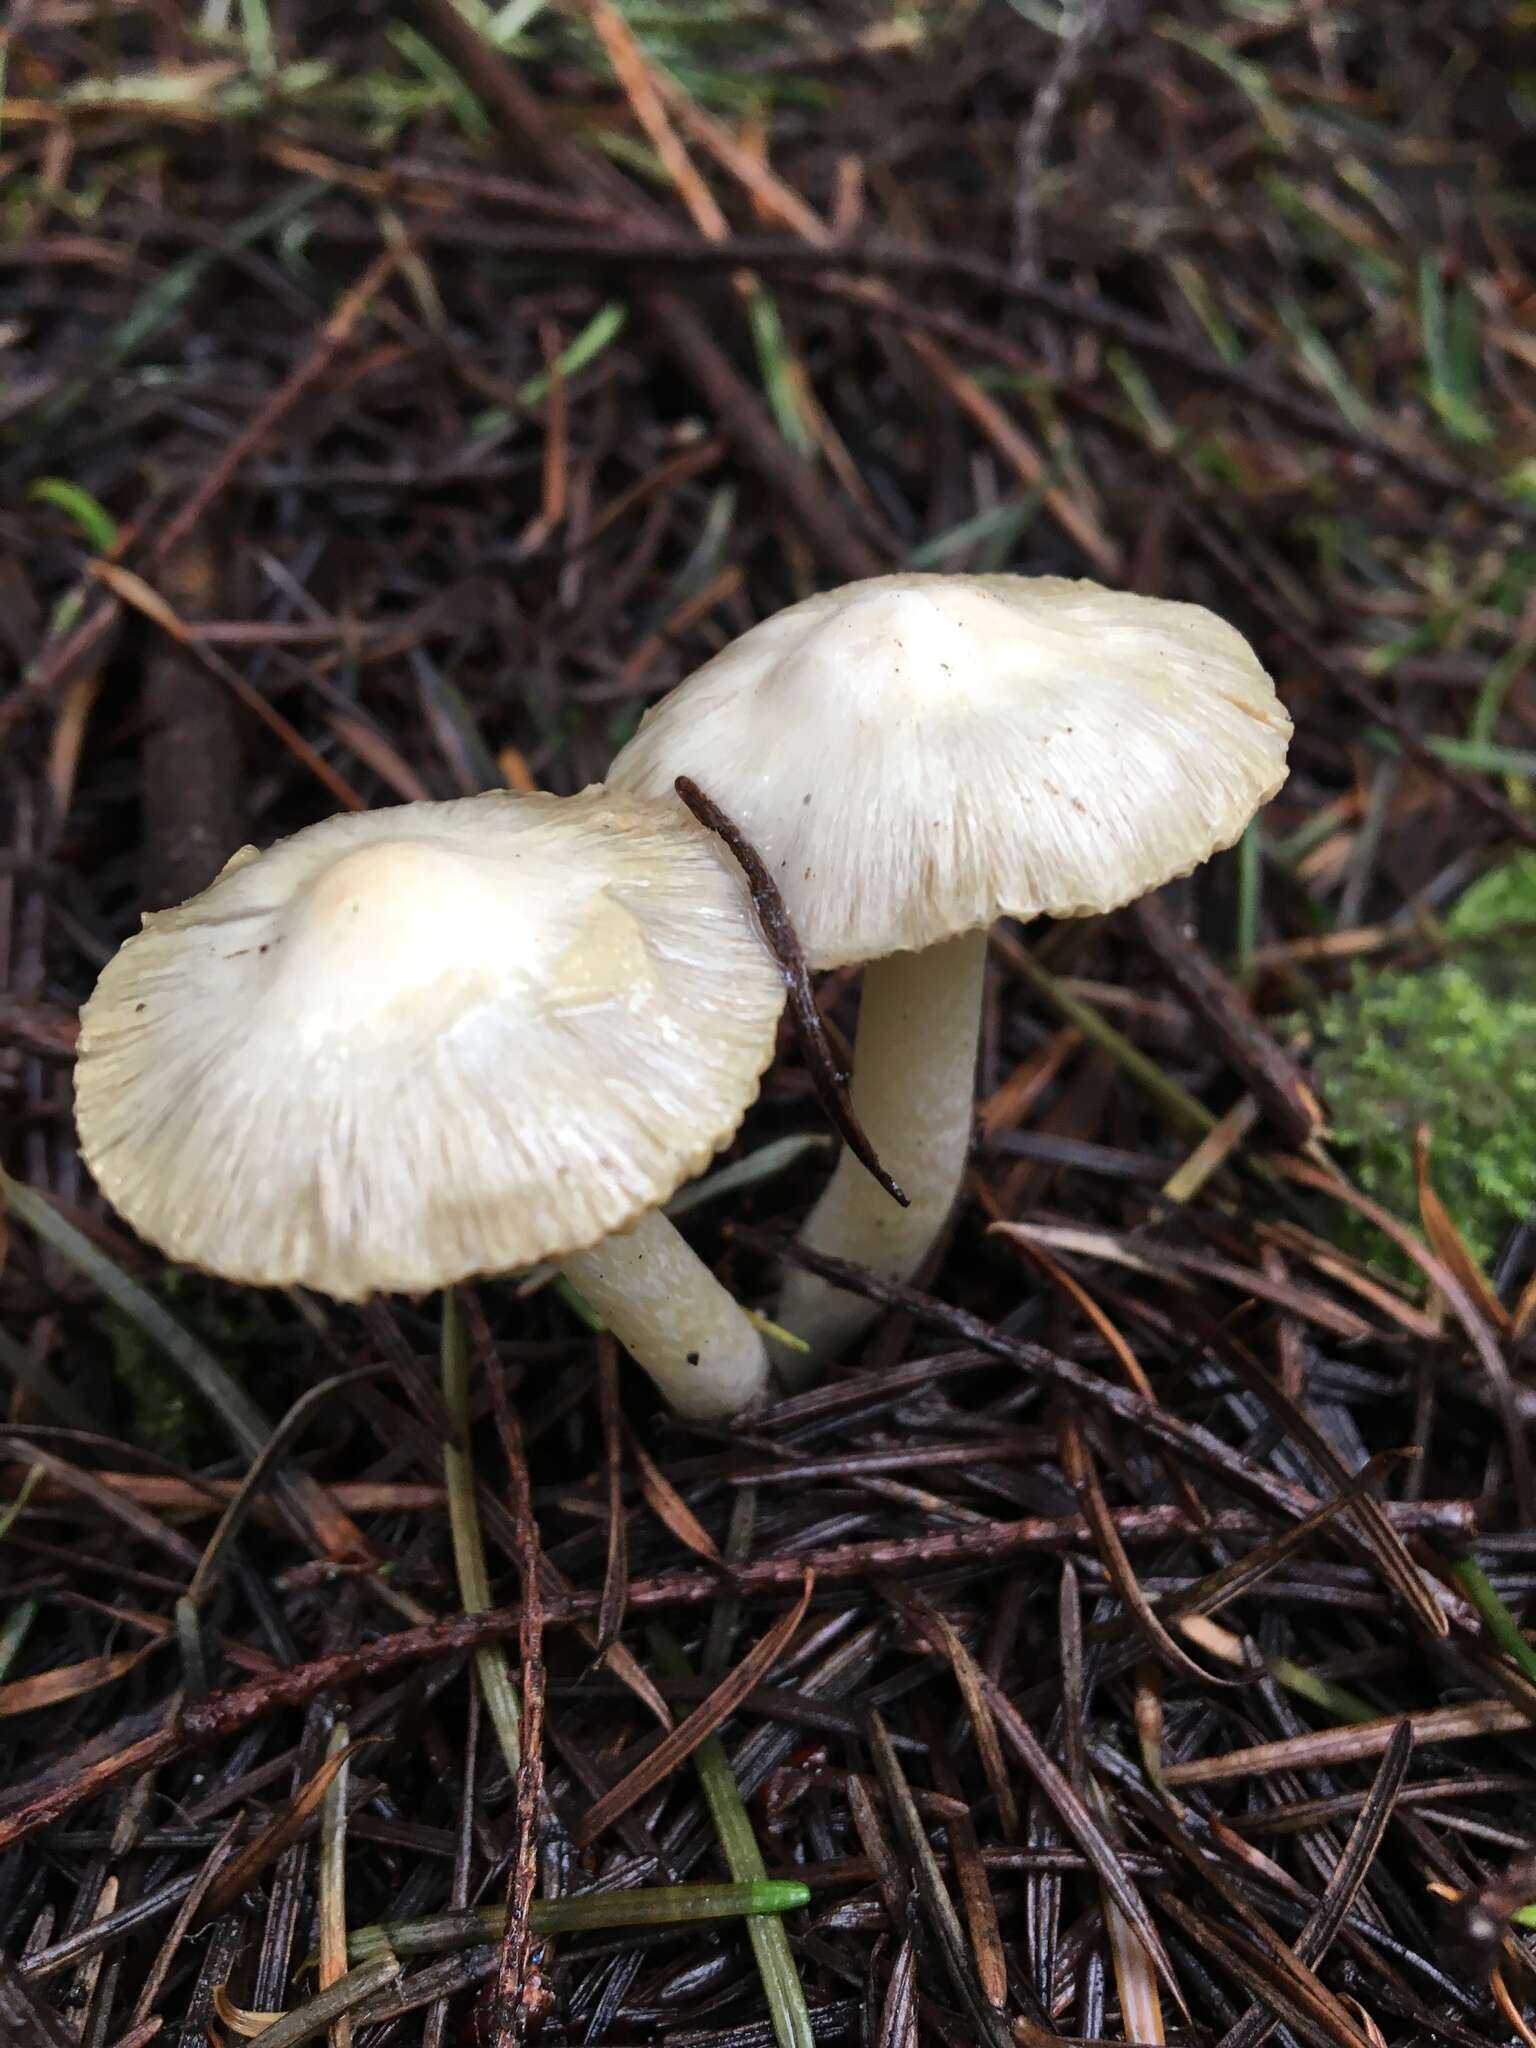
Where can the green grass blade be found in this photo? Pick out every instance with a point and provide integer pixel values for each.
(491, 1660)
(733, 1824)
(670, 1905)
(77, 503)
(760, 1165)
(776, 367)
(605, 326)
(1496, 687)
(1321, 363)
(435, 68)
(1182, 1111)
(1452, 354)
(1336, 1700)
(29, 1486)
(256, 34)
(1483, 755)
(14, 1633)
(1496, 1617)
(991, 535)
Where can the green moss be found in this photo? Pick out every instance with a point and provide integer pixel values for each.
(1453, 1047)
(161, 1414)
(158, 1415)
(1506, 895)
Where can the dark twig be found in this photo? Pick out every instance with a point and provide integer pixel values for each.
(783, 942)
(1269, 1073)
(1325, 1920)
(221, 1715)
(1159, 1425)
(938, 1907)
(674, 1747)
(191, 748)
(1073, 1812)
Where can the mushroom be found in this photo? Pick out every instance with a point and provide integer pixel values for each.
(444, 1039)
(916, 755)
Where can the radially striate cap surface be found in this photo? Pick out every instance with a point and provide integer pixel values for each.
(916, 755)
(410, 1045)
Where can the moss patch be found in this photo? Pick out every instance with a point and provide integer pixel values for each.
(1453, 1047)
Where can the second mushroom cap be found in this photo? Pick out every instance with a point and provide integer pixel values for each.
(916, 755)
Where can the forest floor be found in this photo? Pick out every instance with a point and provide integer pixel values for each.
(1126, 1643)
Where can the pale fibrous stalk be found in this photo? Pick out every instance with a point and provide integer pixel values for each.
(913, 1078)
(674, 1319)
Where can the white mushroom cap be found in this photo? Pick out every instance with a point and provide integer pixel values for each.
(442, 1039)
(915, 755)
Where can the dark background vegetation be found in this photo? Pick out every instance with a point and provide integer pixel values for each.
(394, 401)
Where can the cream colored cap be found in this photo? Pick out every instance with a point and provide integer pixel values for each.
(914, 756)
(443, 1039)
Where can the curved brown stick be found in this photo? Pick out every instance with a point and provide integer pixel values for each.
(783, 942)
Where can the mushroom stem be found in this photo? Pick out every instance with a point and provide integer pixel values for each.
(914, 1074)
(673, 1318)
